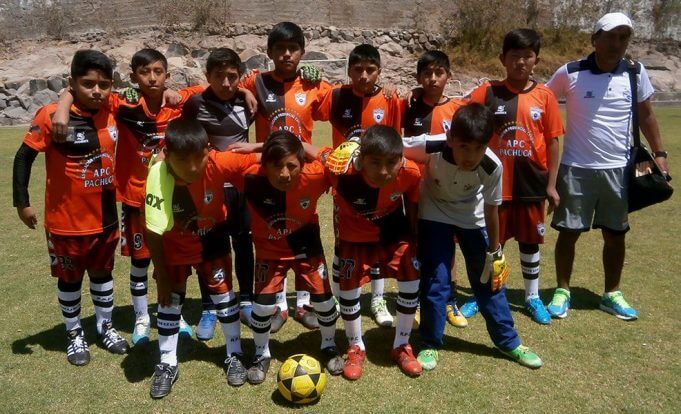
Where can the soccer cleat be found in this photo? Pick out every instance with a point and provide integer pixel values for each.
(469, 309)
(141, 331)
(258, 371)
(539, 313)
(380, 312)
(246, 313)
(111, 340)
(186, 330)
(77, 352)
(403, 355)
(615, 304)
(417, 319)
(560, 303)
(279, 318)
(235, 370)
(455, 318)
(206, 326)
(163, 379)
(334, 362)
(307, 317)
(524, 356)
(354, 363)
(428, 359)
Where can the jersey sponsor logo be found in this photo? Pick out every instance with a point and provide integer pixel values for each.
(99, 177)
(418, 122)
(155, 201)
(207, 197)
(271, 97)
(589, 95)
(446, 125)
(80, 138)
(301, 98)
(304, 203)
(379, 115)
(347, 114)
(535, 113)
(501, 110)
(113, 132)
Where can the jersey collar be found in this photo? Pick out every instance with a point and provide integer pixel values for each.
(593, 66)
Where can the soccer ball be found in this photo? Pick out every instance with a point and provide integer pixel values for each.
(300, 379)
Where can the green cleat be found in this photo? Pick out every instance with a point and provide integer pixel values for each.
(524, 356)
(428, 359)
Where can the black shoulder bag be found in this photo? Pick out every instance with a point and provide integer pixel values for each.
(647, 184)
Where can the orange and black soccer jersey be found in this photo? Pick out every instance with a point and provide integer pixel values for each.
(80, 198)
(141, 135)
(290, 105)
(285, 225)
(351, 114)
(423, 117)
(523, 121)
(199, 231)
(364, 213)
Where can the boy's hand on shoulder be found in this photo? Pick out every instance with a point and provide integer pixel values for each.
(27, 215)
(310, 74)
(130, 94)
(171, 98)
(60, 124)
(244, 148)
(389, 89)
(495, 268)
(250, 100)
(413, 95)
(339, 160)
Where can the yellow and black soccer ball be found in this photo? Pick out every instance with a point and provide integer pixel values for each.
(301, 379)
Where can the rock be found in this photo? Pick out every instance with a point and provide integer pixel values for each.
(14, 103)
(314, 55)
(423, 38)
(314, 34)
(257, 62)
(3, 104)
(44, 97)
(248, 53)
(35, 85)
(404, 43)
(24, 100)
(176, 50)
(175, 62)
(347, 36)
(17, 113)
(121, 81)
(56, 83)
(367, 33)
(200, 54)
(391, 49)
(14, 84)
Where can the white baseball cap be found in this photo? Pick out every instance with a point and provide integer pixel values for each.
(611, 21)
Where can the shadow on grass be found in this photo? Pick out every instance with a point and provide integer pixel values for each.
(580, 298)
(279, 400)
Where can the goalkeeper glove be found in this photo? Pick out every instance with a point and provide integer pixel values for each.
(339, 160)
(131, 95)
(495, 268)
(311, 74)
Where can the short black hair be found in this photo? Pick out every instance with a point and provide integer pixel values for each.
(280, 144)
(146, 57)
(364, 53)
(522, 39)
(438, 57)
(223, 57)
(286, 32)
(185, 136)
(381, 141)
(473, 122)
(88, 59)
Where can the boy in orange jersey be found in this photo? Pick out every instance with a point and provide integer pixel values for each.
(351, 109)
(431, 112)
(142, 123)
(527, 126)
(185, 214)
(375, 208)
(81, 222)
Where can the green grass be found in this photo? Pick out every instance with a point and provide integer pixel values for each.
(593, 361)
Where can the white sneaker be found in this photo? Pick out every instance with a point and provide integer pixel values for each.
(141, 331)
(186, 330)
(206, 326)
(380, 311)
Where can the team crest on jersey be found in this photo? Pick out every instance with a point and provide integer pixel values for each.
(207, 197)
(80, 137)
(347, 114)
(113, 132)
(378, 115)
(418, 122)
(395, 196)
(501, 110)
(271, 97)
(300, 98)
(541, 229)
(535, 113)
(304, 203)
(218, 275)
(446, 125)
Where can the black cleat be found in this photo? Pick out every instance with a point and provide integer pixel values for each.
(77, 352)
(163, 379)
(110, 340)
(235, 370)
(334, 361)
(258, 370)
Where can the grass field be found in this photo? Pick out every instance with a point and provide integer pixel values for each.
(593, 361)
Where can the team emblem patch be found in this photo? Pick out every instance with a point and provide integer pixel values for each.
(304, 203)
(300, 98)
(113, 132)
(321, 270)
(379, 115)
(541, 229)
(535, 113)
(219, 274)
(271, 97)
(395, 196)
(446, 125)
(207, 196)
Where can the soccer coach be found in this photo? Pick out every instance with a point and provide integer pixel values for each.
(591, 180)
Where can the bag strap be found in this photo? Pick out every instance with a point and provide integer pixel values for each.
(632, 69)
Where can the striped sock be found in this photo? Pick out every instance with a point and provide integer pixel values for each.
(349, 305)
(228, 314)
(68, 295)
(529, 263)
(101, 291)
(326, 316)
(260, 324)
(168, 325)
(138, 286)
(407, 302)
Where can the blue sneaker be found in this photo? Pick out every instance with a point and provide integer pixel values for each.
(469, 309)
(615, 304)
(206, 326)
(560, 303)
(186, 330)
(536, 308)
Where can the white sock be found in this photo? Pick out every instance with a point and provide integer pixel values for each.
(281, 298)
(349, 304)
(529, 264)
(168, 324)
(68, 295)
(407, 302)
(377, 285)
(326, 316)
(227, 310)
(102, 299)
(138, 290)
(302, 298)
(260, 325)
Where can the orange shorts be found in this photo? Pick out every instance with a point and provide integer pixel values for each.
(357, 263)
(522, 221)
(133, 243)
(215, 274)
(71, 256)
(311, 276)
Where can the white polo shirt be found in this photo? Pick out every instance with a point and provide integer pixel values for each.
(598, 128)
(449, 194)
